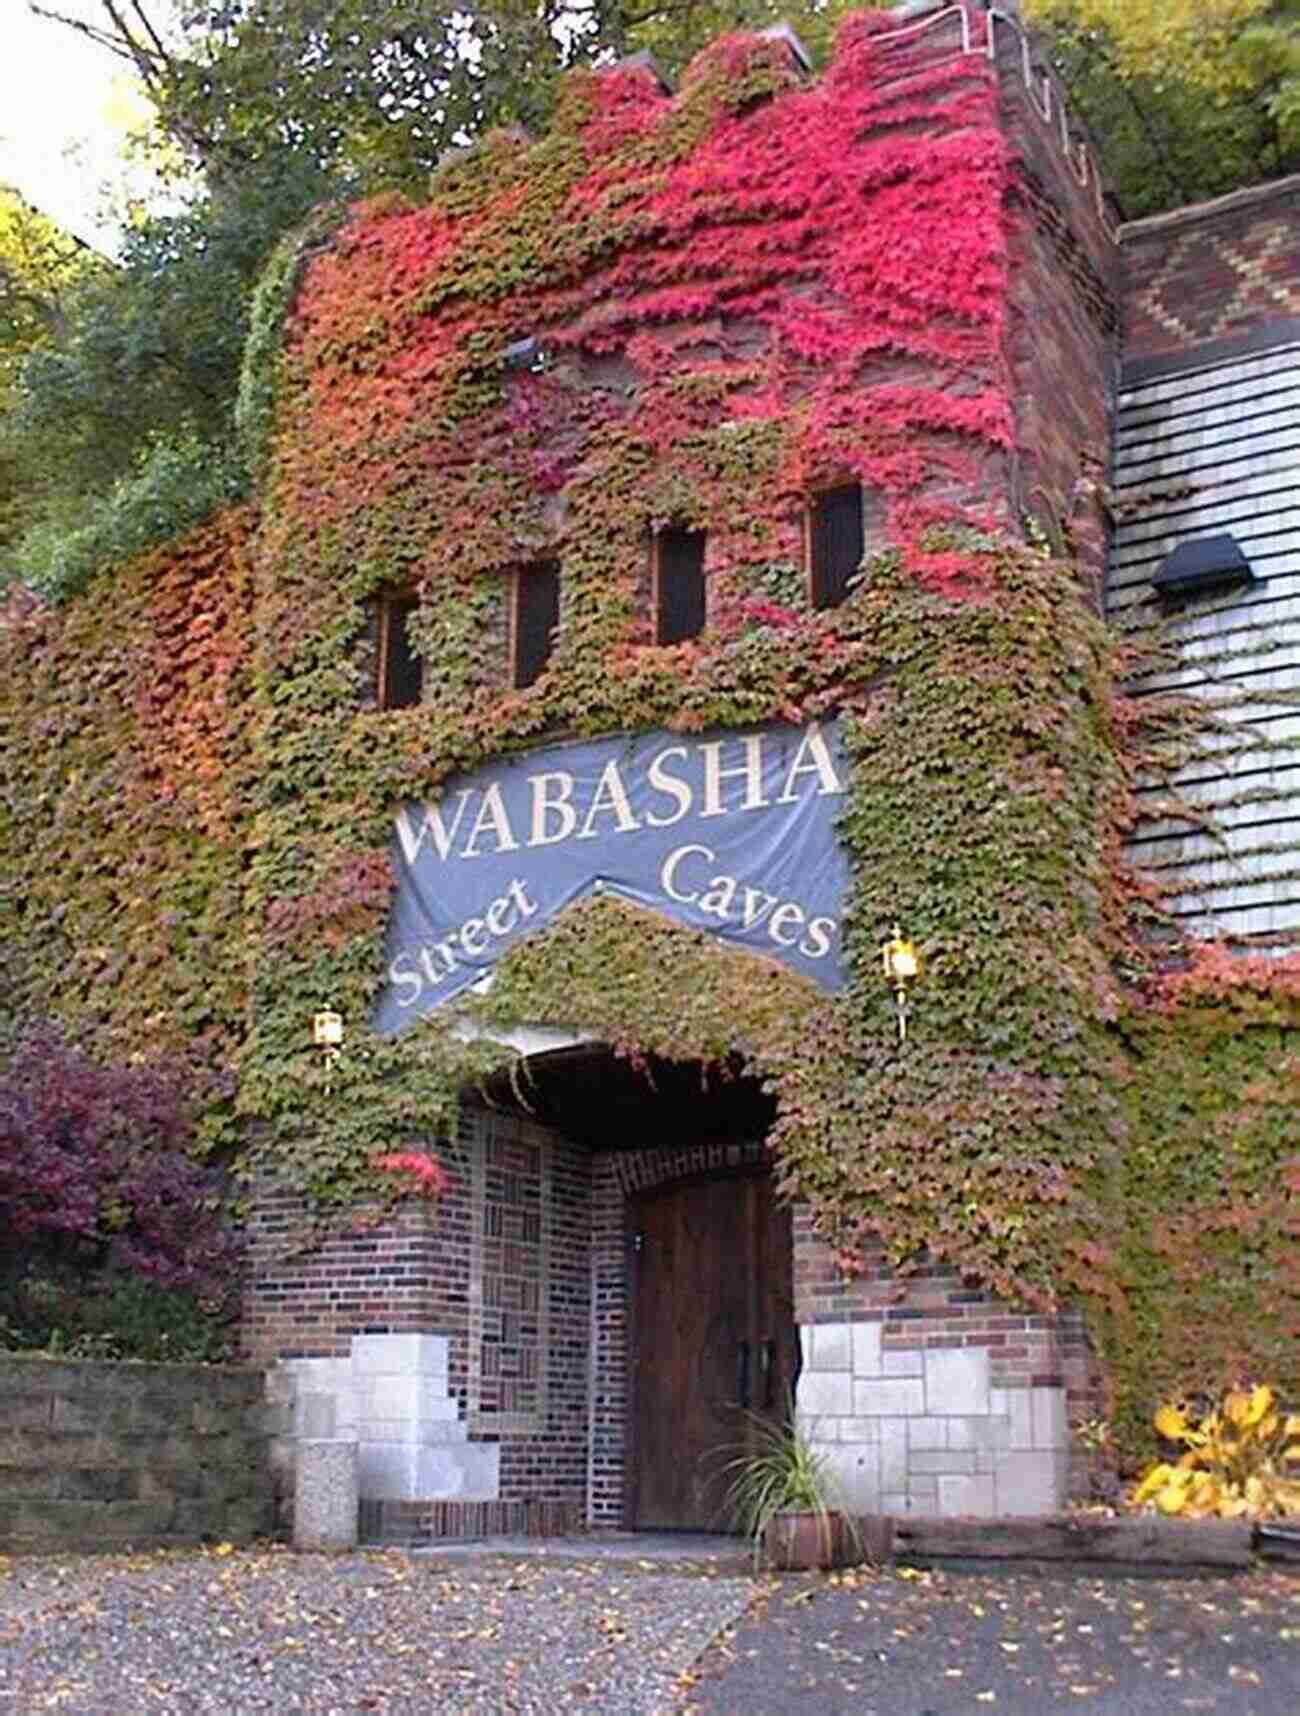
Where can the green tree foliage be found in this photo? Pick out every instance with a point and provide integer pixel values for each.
(176, 481)
(38, 264)
(1187, 99)
(118, 424)
(383, 91)
(40, 269)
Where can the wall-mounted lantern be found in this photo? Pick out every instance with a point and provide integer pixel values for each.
(1200, 565)
(902, 967)
(327, 1035)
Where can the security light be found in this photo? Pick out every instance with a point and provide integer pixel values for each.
(527, 354)
(1201, 564)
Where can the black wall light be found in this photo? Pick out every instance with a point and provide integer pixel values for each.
(1200, 565)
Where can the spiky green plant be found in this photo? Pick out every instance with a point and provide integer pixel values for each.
(779, 1470)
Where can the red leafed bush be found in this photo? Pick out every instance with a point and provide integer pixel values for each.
(94, 1172)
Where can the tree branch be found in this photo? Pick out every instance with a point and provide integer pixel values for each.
(123, 46)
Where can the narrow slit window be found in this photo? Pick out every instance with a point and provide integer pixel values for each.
(401, 671)
(836, 543)
(536, 615)
(679, 585)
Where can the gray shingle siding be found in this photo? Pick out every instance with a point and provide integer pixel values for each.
(1210, 450)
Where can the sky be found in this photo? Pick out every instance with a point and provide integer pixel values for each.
(59, 93)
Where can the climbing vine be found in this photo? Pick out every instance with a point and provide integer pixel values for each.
(735, 297)
(1202, 1279)
(124, 774)
(717, 332)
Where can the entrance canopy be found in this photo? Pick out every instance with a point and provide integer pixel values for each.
(606, 1101)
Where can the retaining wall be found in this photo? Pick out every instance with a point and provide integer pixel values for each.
(106, 1456)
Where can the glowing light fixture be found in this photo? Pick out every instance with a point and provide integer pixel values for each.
(327, 1035)
(902, 967)
(327, 1030)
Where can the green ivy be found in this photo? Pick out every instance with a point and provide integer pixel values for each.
(260, 371)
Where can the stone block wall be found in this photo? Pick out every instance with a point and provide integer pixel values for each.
(391, 1397)
(420, 1477)
(921, 1430)
(306, 1298)
(97, 1456)
(930, 1397)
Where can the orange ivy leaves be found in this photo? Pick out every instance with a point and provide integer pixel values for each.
(193, 651)
(1262, 986)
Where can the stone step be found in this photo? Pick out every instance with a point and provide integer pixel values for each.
(397, 1471)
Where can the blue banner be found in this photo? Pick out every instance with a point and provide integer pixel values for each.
(732, 833)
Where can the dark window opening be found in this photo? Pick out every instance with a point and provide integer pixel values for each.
(401, 671)
(679, 585)
(836, 544)
(528, 355)
(536, 615)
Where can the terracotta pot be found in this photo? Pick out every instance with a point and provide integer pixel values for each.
(796, 1542)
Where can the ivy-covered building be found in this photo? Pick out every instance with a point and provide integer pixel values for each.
(679, 566)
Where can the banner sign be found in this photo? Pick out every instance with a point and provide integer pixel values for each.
(733, 833)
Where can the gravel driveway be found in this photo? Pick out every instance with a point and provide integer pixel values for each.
(180, 1633)
(268, 1630)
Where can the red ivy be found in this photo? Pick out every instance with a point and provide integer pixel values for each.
(856, 226)
(416, 1172)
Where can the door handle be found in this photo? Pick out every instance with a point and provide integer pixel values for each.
(767, 1370)
(742, 1374)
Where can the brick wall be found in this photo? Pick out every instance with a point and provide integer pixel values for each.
(98, 1456)
(1217, 272)
(1062, 324)
(468, 1276)
(307, 1300)
(610, 1328)
(935, 1308)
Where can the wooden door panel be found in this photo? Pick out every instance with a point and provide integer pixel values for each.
(713, 1335)
(777, 1331)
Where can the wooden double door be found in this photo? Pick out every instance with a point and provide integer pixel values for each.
(714, 1342)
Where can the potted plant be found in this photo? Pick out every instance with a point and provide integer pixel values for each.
(783, 1499)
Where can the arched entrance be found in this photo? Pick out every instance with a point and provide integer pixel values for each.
(694, 1340)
